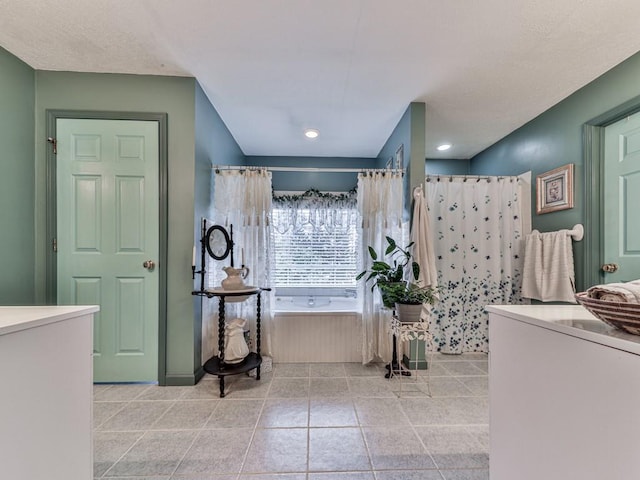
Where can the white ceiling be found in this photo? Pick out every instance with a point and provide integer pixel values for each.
(348, 68)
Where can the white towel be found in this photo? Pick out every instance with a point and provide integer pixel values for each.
(548, 273)
(423, 252)
(616, 292)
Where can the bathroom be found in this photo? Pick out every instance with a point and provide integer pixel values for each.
(552, 139)
(27, 276)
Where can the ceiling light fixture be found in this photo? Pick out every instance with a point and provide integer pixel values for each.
(311, 133)
(444, 146)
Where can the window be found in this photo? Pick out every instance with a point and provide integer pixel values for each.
(315, 241)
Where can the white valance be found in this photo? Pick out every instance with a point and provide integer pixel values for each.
(333, 212)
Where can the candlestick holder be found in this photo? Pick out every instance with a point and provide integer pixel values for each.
(203, 258)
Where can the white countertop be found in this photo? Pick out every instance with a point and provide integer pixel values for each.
(15, 319)
(574, 320)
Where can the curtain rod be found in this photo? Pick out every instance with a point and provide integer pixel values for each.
(307, 169)
(477, 178)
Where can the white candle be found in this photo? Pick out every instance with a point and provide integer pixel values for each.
(193, 259)
(242, 257)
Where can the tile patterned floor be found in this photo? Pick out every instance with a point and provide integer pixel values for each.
(300, 422)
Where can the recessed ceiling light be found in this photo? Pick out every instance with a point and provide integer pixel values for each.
(311, 133)
(444, 146)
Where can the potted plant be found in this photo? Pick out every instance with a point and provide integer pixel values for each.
(409, 298)
(389, 278)
(386, 274)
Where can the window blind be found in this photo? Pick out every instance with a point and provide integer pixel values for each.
(316, 255)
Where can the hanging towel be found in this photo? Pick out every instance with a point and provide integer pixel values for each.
(422, 242)
(616, 292)
(548, 273)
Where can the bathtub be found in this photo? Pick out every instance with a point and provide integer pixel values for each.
(316, 303)
(316, 329)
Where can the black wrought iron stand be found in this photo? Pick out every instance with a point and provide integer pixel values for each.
(216, 364)
(394, 368)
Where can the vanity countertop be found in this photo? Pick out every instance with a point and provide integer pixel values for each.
(573, 320)
(15, 319)
(564, 389)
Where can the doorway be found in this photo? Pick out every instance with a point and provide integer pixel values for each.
(601, 201)
(107, 209)
(621, 197)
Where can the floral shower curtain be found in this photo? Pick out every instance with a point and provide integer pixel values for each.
(380, 206)
(478, 233)
(242, 198)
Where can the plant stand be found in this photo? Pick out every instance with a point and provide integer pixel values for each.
(394, 368)
(412, 332)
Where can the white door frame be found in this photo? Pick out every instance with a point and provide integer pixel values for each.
(51, 227)
(593, 156)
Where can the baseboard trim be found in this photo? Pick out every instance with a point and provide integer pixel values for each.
(184, 380)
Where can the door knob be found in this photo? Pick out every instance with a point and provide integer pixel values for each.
(149, 265)
(610, 267)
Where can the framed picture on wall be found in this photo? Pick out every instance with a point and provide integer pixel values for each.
(400, 157)
(554, 190)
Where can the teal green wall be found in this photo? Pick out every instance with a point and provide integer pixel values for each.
(17, 99)
(136, 93)
(554, 138)
(214, 145)
(323, 181)
(197, 139)
(416, 166)
(401, 135)
(436, 166)
(409, 132)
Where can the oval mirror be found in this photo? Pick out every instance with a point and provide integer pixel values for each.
(218, 242)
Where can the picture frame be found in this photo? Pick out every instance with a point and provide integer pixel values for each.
(554, 190)
(389, 165)
(399, 160)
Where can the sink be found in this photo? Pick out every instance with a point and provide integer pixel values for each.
(596, 326)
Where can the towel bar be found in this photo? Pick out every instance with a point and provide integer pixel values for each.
(577, 232)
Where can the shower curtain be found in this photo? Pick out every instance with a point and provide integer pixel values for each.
(478, 232)
(380, 206)
(242, 198)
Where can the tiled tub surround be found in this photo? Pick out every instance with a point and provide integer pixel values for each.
(300, 422)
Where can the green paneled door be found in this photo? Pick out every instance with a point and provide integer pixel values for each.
(107, 228)
(622, 199)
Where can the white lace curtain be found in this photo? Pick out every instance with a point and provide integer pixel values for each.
(380, 200)
(242, 198)
(242, 195)
(477, 226)
(333, 212)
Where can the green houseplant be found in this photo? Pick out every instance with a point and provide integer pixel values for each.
(388, 277)
(411, 293)
(409, 299)
(386, 274)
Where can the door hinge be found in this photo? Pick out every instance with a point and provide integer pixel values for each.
(53, 142)
(54, 244)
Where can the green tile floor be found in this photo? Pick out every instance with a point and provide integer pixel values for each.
(300, 422)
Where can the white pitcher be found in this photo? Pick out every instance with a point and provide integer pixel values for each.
(235, 278)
